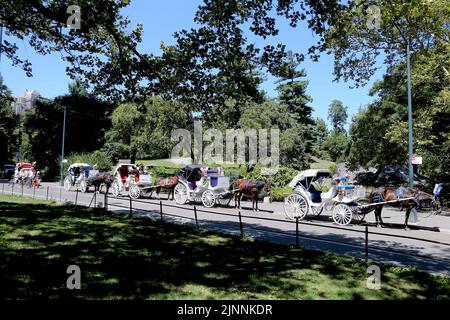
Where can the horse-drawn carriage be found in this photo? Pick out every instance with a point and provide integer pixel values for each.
(346, 201)
(80, 175)
(22, 172)
(199, 184)
(316, 190)
(128, 178)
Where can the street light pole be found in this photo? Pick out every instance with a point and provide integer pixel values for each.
(61, 180)
(410, 126)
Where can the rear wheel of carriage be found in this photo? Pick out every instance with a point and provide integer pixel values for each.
(342, 214)
(295, 206)
(224, 201)
(316, 210)
(180, 194)
(208, 199)
(67, 184)
(83, 186)
(358, 212)
(115, 189)
(135, 191)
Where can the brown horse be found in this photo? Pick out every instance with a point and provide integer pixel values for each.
(166, 184)
(101, 180)
(384, 194)
(249, 188)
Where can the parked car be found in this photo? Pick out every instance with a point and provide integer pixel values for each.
(8, 171)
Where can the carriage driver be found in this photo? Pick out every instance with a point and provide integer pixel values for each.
(437, 190)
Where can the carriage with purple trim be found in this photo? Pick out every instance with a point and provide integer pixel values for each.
(316, 190)
(197, 183)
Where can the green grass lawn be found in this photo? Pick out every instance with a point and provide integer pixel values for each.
(131, 258)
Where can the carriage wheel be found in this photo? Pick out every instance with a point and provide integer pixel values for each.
(135, 191)
(180, 194)
(208, 199)
(316, 210)
(342, 214)
(427, 210)
(67, 184)
(224, 201)
(115, 189)
(295, 206)
(83, 186)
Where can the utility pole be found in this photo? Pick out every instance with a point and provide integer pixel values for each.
(61, 180)
(410, 126)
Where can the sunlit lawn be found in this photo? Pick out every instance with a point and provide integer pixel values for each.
(123, 258)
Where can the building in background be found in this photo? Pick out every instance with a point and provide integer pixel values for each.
(25, 101)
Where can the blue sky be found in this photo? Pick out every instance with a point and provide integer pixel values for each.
(161, 19)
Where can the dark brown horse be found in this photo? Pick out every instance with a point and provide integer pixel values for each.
(249, 188)
(384, 194)
(167, 184)
(100, 180)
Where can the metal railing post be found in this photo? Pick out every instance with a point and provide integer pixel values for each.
(12, 189)
(106, 200)
(196, 218)
(47, 191)
(296, 232)
(76, 198)
(240, 225)
(131, 206)
(22, 190)
(34, 192)
(60, 195)
(3, 188)
(161, 210)
(367, 244)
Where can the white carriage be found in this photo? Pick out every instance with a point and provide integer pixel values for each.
(199, 184)
(128, 178)
(78, 176)
(315, 190)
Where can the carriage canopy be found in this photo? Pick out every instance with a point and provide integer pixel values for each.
(79, 165)
(308, 176)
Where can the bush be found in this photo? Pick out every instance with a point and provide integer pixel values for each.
(163, 171)
(278, 194)
(99, 158)
(281, 179)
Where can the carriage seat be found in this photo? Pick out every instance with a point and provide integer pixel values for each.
(192, 185)
(214, 181)
(316, 195)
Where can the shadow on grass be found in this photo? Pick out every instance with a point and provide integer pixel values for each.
(138, 258)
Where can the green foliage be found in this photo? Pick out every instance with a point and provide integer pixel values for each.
(271, 114)
(333, 168)
(279, 193)
(337, 114)
(283, 176)
(98, 158)
(9, 124)
(359, 36)
(292, 90)
(336, 145)
(87, 119)
(144, 131)
(163, 172)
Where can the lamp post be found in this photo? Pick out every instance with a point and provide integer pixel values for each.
(410, 126)
(61, 180)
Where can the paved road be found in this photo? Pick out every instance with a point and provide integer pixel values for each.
(433, 256)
